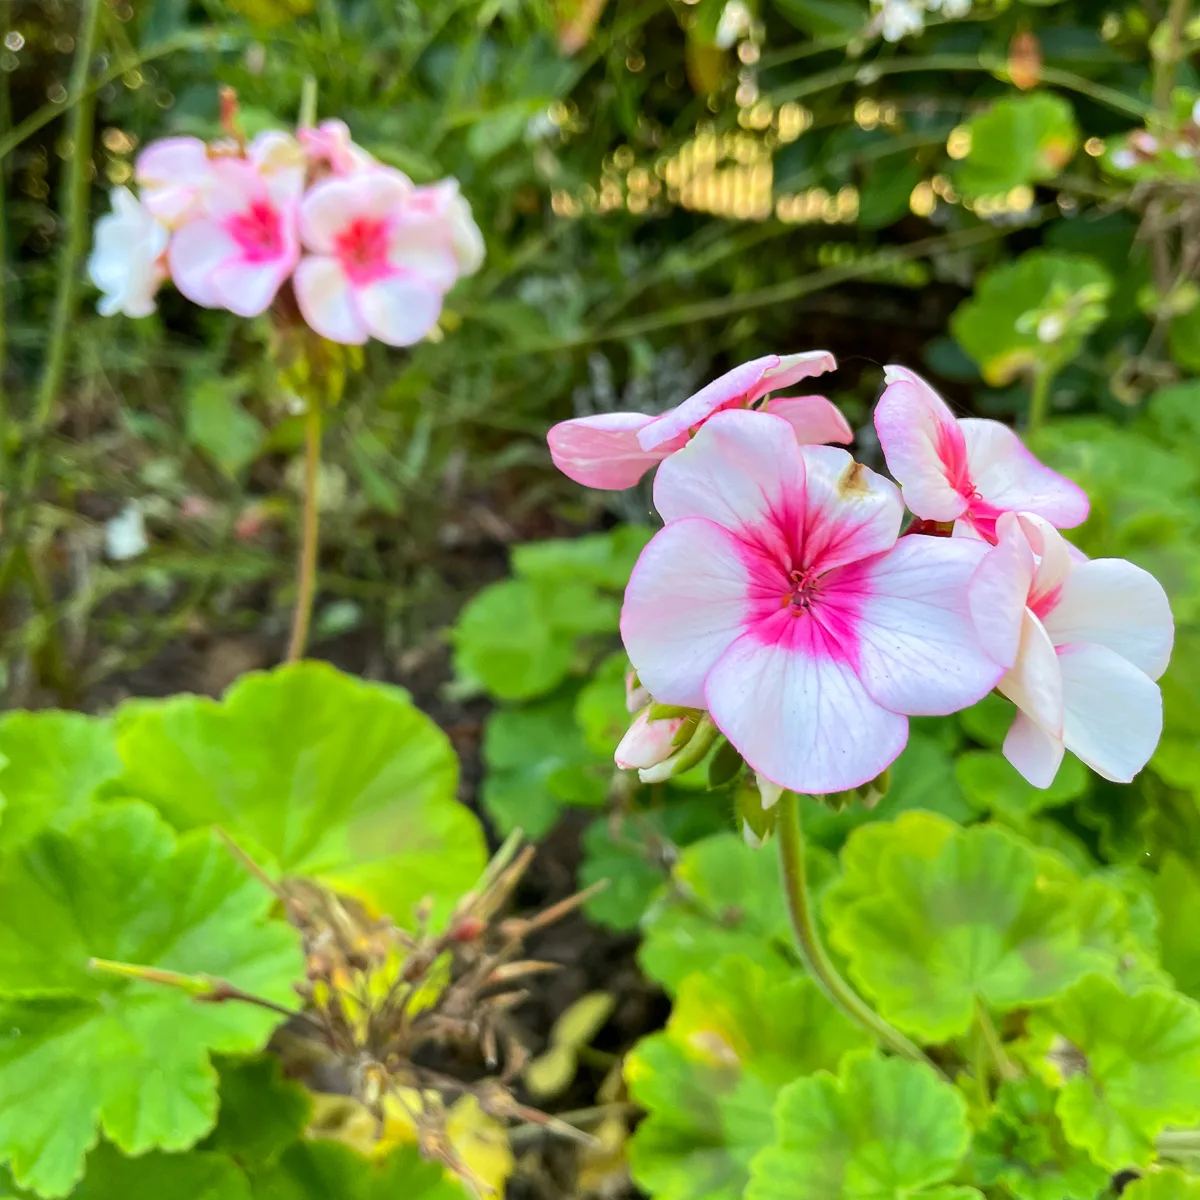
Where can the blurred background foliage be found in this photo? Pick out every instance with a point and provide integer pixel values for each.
(665, 188)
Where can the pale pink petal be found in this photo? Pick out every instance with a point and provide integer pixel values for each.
(1054, 559)
(603, 451)
(247, 288)
(194, 253)
(849, 512)
(327, 302)
(273, 150)
(1113, 603)
(1035, 753)
(1008, 477)
(1113, 710)
(730, 388)
(1034, 682)
(744, 471)
(422, 245)
(816, 420)
(236, 186)
(646, 743)
(399, 310)
(999, 591)
(170, 173)
(326, 209)
(797, 712)
(918, 651)
(923, 446)
(791, 369)
(685, 605)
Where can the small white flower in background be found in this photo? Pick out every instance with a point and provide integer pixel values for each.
(1050, 328)
(127, 262)
(734, 24)
(900, 18)
(125, 534)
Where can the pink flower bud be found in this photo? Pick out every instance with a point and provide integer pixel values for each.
(636, 696)
(647, 743)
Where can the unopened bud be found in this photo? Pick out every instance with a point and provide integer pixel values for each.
(867, 794)
(694, 739)
(650, 740)
(754, 808)
(636, 696)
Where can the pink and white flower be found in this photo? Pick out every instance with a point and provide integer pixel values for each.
(126, 262)
(239, 252)
(649, 742)
(778, 597)
(174, 175)
(968, 471)
(330, 145)
(378, 267)
(613, 451)
(1083, 642)
(444, 201)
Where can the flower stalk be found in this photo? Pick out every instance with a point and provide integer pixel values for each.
(310, 535)
(813, 954)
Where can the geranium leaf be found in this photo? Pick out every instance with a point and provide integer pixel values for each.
(51, 764)
(722, 898)
(1019, 140)
(261, 1113)
(96, 1049)
(1021, 1146)
(314, 773)
(992, 784)
(1129, 1066)
(884, 1129)
(154, 1176)
(988, 918)
(324, 1170)
(1168, 1184)
(1177, 896)
(737, 1033)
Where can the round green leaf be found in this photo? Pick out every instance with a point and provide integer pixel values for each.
(1177, 897)
(318, 774)
(261, 1113)
(51, 764)
(737, 1033)
(992, 784)
(1022, 1146)
(884, 1129)
(155, 1176)
(83, 1049)
(1021, 139)
(1129, 1066)
(986, 918)
(723, 898)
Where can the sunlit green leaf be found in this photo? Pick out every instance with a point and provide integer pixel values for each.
(992, 784)
(1177, 895)
(1021, 139)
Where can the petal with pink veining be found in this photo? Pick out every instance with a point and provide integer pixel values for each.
(327, 302)
(1035, 753)
(685, 605)
(421, 244)
(923, 446)
(1113, 603)
(1054, 558)
(1034, 682)
(603, 451)
(1113, 710)
(399, 309)
(730, 388)
(791, 369)
(849, 511)
(815, 420)
(999, 592)
(744, 471)
(790, 702)
(1008, 477)
(193, 254)
(919, 653)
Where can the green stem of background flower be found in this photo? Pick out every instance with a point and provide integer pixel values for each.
(1039, 398)
(306, 582)
(812, 952)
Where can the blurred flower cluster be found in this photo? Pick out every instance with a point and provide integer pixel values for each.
(233, 224)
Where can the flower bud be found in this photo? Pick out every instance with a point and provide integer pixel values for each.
(636, 696)
(648, 741)
(754, 807)
(694, 739)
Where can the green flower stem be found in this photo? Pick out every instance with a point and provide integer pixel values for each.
(990, 1040)
(1179, 1143)
(310, 535)
(1039, 400)
(812, 953)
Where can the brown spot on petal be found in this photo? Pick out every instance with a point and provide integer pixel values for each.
(854, 480)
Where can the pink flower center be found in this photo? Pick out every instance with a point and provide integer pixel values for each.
(803, 592)
(258, 231)
(361, 247)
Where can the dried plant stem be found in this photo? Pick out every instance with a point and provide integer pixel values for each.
(310, 535)
(812, 953)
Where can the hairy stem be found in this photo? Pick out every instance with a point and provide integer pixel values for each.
(310, 535)
(812, 952)
(1039, 399)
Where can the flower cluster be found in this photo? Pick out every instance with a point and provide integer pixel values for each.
(898, 19)
(366, 253)
(782, 599)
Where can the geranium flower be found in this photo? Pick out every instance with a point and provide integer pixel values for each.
(378, 267)
(126, 262)
(330, 145)
(173, 176)
(239, 252)
(444, 201)
(1083, 642)
(778, 597)
(613, 451)
(970, 470)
